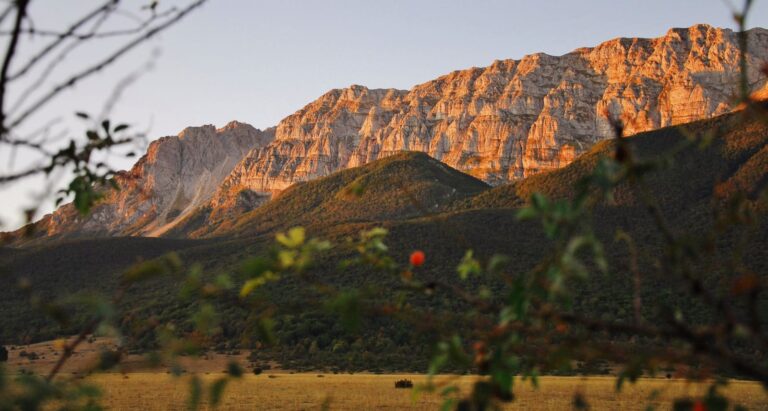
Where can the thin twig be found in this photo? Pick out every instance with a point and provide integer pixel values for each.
(104, 63)
(21, 10)
(54, 44)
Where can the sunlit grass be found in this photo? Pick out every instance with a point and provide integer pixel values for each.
(366, 391)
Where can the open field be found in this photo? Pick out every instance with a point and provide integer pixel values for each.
(47, 353)
(376, 392)
(276, 389)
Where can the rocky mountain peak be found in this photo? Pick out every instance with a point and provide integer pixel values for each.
(499, 123)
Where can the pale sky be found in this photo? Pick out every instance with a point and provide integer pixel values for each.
(258, 61)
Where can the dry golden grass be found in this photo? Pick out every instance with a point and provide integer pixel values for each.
(156, 391)
(142, 389)
(86, 356)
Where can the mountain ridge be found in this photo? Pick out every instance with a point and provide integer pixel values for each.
(482, 219)
(499, 123)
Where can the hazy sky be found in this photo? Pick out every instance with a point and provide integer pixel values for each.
(258, 61)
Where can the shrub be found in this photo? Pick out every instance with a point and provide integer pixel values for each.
(404, 383)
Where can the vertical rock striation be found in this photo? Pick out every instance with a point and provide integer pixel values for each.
(503, 122)
(514, 118)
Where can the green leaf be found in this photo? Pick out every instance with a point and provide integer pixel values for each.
(451, 389)
(527, 213)
(143, 271)
(497, 263)
(206, 320)
(256, 266)
(265, 330)
(121, 127)
(167, 264)
(257, 282)
(347, 305)
(287, 258)
(539, 201)
(468, 266)
(293, 239)
(217, 390)
(374, 233)
(195, 393)
(438, 360)
(504, 380)
(223, 281)
(448, 404)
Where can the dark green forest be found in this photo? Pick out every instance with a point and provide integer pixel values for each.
(424, 205)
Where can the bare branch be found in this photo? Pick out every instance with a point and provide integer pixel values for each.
(40, 81)
(6, 13)
(54, 44)
(21, 10)
(104, 63)
(93, 34)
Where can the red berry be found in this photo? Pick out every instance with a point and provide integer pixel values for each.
(699, 406)
(417, 258)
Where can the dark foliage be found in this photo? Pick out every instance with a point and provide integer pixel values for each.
(479, 218)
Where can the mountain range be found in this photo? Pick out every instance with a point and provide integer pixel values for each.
(444, 167)
(499, 124)
(426, 205)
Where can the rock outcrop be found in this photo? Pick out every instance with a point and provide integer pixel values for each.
(514, 118)
(176, 176)
(503, 122)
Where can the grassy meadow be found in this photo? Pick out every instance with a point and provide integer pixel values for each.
(141, 388)
(307, 391)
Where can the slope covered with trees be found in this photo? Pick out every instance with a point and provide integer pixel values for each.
(428, 206)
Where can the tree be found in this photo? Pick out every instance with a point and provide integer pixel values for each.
(32, 76)
(30, 83)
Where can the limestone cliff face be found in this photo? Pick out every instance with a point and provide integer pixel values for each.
(176, 176)
(503, 122)
(513, 118)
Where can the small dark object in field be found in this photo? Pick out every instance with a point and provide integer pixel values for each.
(320, 375)
(669, 376)
(29, 355)
(257, 370)
(403, 384)
(273, 376)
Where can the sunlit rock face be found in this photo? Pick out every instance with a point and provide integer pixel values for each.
(176, 176)
(503, 122)
(515, 117)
